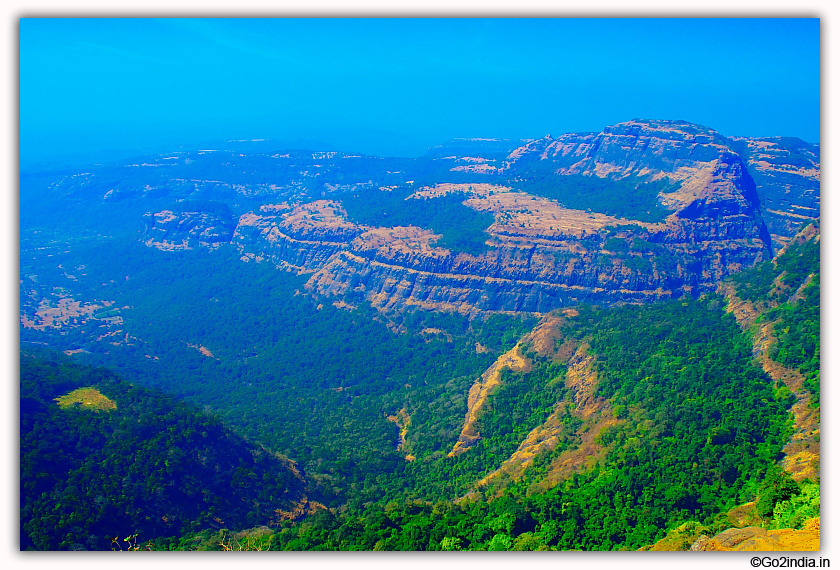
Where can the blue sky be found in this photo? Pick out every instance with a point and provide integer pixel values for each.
(399, 86)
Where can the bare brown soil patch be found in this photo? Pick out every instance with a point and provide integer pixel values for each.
(60, 313)
(320, 213)
(202, 349)
(521, 214)
(596, 414)
(542, 439)
(805, 172)
(586, 455)
(545, 336)
(582, 378)
(406, 239)
(300, 509)
(403, 420)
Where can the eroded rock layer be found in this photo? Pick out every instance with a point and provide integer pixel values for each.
(541, 255)
(787, 170)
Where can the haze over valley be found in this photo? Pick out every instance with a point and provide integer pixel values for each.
(382, 309)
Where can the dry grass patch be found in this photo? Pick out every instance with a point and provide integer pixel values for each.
(87, 398)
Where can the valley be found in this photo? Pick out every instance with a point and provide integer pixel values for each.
(595, 341)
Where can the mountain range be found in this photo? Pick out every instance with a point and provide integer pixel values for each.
(493, 336)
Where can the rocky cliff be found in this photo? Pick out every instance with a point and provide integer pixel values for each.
(169, 230)
(787, 171)
(542, 255)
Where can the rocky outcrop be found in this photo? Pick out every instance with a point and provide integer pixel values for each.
(787, 173)
(302, 238)
(535, 269)
(654, 148)
(542, 255)
(170, 230)
(402, 419)
(546, 256)
(758, 539)
(697, 538)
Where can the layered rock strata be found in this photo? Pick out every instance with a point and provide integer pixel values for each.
(541, 256)
(787, 172)
(169, 230)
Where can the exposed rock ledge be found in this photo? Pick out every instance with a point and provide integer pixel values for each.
(756, 538)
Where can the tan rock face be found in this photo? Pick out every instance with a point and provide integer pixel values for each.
(653, 149)
(547, 256)
(168, 230)
(542, 255)
(299, 238)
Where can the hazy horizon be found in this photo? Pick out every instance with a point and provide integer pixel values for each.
(397, 87)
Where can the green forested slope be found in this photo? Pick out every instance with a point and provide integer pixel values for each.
(150, 465)
(788, 293)
(700, 426)
(304, 378)
(702, 422)
(703, 428)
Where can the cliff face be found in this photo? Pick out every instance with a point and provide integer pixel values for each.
(302, 238)
(168, 230)
(543, 255)
(787, 170)
(547, 256)
(638, 147)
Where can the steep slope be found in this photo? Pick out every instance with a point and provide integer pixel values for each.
(480, 392)
(787, 172)
(613, 362)
(778, 303)
(556, 238)
(101, 458)
(618, 424)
